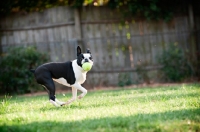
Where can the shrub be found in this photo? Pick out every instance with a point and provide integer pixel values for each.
(15, 75)
(124, 79)
(175, 64)
(142, 73)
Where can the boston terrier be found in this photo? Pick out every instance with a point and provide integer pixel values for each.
(68, 73)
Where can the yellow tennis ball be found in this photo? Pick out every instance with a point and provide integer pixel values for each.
(87, 66)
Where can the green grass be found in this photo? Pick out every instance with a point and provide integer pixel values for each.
(160, 109)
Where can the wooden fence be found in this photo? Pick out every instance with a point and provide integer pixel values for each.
(119, 50)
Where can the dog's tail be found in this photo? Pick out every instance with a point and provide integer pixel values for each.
(32, 70)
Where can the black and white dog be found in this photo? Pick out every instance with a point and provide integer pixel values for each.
(68, 73)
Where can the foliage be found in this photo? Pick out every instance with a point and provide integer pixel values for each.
(176, 66)
(15, 76)
(127, 110)
(148, 9)
(142, 73)
(124, 79)
(4, 104)
(152, 9)
(9, 6)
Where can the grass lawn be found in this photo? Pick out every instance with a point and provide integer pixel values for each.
(160, 109)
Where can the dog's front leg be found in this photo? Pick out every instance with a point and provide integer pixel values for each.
(82, 89)
(76, 87)
(74, 96)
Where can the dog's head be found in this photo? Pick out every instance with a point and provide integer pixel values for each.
(83, 57)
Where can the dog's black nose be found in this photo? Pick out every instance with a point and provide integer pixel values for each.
(86, 60)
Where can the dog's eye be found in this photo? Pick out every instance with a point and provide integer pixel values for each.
(82, 57)
(90, 58)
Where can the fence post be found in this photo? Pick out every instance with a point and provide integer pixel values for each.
(192, 35)
(78, 32)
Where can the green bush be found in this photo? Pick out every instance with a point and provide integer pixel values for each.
(15, 65)
(176, 66)
(142, 73)
(124, 79)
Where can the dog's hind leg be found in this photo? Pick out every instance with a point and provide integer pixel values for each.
(50, 87)
(50, 100)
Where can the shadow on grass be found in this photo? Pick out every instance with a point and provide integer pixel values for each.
(180, 120)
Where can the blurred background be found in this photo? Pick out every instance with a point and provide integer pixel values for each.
(132, 41)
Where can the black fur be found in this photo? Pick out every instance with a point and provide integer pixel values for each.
(45, 73)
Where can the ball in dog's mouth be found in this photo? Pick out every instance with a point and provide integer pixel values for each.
(87, 66)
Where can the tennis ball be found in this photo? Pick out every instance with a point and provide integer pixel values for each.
(87, 66)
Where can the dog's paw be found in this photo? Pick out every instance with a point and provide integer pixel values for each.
(80, 97)
(62, 104)
(54, 103)
(59, 102)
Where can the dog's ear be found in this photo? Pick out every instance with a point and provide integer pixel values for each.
(88, 51)
(78, 51)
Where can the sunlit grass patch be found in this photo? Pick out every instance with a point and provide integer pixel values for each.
(172, 108)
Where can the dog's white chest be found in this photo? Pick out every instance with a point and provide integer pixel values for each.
(80, 77)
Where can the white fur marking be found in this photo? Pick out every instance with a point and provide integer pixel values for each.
(79, 73)
(62, 81)
(82, 89)
(59, 102)
(87, 56)
(74, 96)
(54, 103)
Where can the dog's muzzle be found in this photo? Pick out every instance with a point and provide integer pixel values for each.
(86, 60)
